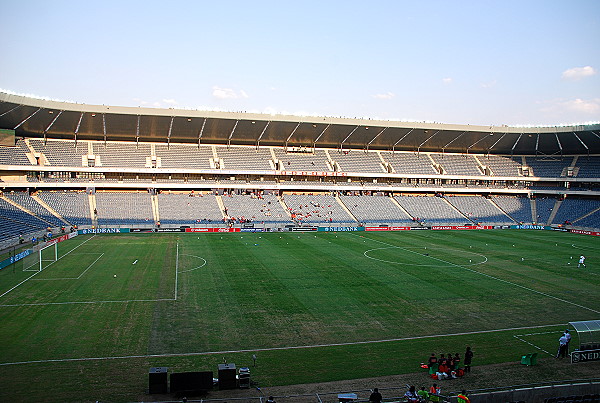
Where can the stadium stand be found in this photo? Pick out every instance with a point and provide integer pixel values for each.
(121, 154)
(28, 202)
(409, 163)
(480, 210)
(245, 158)
(291, 161)
(124, 208)
(517, 207)
(572, 209)
(376, 209)
(501, 165)
(188, 209)
(256, 208)
(184, 156)
(61, 152)
(544, 206)
(454, 164)
(589, 167)
(73, 206)
(431, 210)
(321, 208)
(589, 221)
(357, 161)
(14, 221)
(547, 167)
(14, 155)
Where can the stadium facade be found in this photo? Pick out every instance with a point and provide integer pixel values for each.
(105, 166)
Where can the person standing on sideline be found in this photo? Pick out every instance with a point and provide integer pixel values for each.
(568, 336)
(468, 359)
(375, 396)
(562, 347)
(581, 261)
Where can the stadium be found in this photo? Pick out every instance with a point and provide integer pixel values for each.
(307, 249)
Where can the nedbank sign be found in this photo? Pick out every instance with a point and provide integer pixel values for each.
(586, 355)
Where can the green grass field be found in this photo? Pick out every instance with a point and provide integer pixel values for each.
(313, 307)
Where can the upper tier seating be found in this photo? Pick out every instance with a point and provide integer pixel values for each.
(25, 200)
(184, 209)
(14, 155)
(302, 161)
(357, 161)
(119, 208)
(480, 210)
(518, 207)
(409, 163)
(431, 210)
(547, 167)
(245, 158)
(501, 165)
(458, 164)
(184, 156)
(572, 209)
(121, 154)
(589, 167)
(375, 209)
(317, 209)
(266, 209)
(61, 152)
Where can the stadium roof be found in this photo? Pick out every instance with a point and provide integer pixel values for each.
(45, 118)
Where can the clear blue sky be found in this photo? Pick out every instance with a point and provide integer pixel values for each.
(478, 62)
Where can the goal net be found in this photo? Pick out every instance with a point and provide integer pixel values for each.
(41, 258)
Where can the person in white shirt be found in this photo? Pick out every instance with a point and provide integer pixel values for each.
(581, 261)
(562, 347)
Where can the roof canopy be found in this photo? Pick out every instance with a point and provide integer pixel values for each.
(44, 118)
(587, 330)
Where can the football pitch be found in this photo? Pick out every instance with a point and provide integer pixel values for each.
(312, 307)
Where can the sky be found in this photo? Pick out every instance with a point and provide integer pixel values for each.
(482, 62)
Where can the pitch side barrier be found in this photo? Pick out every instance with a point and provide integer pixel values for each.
(15, 258)
(316, 228)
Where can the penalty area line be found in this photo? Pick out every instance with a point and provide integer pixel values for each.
(88, 302)
(301, 347)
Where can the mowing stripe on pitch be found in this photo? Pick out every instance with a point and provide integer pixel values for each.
(205, 353)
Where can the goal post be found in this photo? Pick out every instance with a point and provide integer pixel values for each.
(42, 257)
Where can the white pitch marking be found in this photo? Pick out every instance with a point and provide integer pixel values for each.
(417, 264)
(176, 269)
(71, 278)
(195, 268)
(36, 273)
(352, 343)
(88, 302)
(531, 344)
